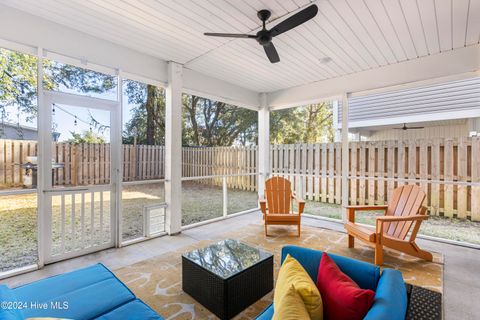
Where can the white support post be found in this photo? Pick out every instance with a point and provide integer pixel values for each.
(41, 197)
(173, 149)
(116, 163)
(263, 144)
(345, 156)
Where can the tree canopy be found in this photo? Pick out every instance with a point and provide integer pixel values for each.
(213, 123)
(307, 124)
(205, 122)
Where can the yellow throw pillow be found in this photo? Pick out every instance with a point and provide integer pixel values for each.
(292, 273)
(291, 307)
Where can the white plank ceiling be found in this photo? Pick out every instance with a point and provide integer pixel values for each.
(356, 34)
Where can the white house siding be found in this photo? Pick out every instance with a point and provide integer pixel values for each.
(446, 101)
(448, 131)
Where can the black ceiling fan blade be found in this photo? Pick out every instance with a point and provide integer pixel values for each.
(272, 53)
(408, 128)
(230, 35)
(295, 20)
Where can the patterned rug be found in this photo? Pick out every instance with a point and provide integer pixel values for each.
(157, 281)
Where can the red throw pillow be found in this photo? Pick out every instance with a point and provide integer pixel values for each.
(342, 297)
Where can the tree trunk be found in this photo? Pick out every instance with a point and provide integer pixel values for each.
(192, 109)
(150, 106)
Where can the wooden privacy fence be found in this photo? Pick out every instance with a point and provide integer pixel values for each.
(83, 164)
(448, 170)
(239, 163)
(88, 163)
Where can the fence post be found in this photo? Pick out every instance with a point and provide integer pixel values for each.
(74, 169)
(300, 187)
(225, 196)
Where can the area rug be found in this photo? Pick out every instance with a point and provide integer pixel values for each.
(157, 281)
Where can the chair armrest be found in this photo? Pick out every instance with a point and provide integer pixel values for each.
(263, 205)
(300, 203)
(394, 218)
(352, 209)
(380, 220)
(366, 208)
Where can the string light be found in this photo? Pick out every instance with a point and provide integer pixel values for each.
(53, 109)
(79, 119)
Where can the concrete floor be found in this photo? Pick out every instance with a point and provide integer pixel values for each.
(461, 277)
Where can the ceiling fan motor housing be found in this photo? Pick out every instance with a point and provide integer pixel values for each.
(264, 37)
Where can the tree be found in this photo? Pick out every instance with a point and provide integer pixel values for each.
(148, 118)
(18, 83)
(86, 136)
(18, 80)
(205, 122)
(308, 124)
(213, 123)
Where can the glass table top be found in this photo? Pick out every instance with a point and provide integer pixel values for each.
(227, 257)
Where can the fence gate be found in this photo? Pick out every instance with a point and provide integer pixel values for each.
(78, 218)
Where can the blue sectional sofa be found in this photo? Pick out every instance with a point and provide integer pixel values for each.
(90, 293)
(390, 290)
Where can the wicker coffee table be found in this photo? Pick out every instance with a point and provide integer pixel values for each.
(227, 277)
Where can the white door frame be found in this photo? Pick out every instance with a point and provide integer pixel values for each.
(45, 188)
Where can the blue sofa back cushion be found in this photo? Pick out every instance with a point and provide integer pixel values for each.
(8, 310)
(89, 292)
(364, 274)
(390, 297)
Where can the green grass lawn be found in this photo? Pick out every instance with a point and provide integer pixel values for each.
(447, 228)
(200, 202)
(18, 218)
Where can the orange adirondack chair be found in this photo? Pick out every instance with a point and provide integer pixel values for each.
(278, 192)
(404, 210)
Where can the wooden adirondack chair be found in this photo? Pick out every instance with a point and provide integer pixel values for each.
(404, 210)
(278, 192)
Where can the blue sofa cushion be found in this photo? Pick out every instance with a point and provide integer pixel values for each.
(89, 293)
(267, 314)
(8, 309)
(391, 294)
(133, 310)
(364, 274)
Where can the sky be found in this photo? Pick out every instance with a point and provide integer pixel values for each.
(64, 116)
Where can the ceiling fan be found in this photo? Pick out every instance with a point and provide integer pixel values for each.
(264, 36)
(408, 128)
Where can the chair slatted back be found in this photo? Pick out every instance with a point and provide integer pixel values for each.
(406, 201)
(278, 192)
